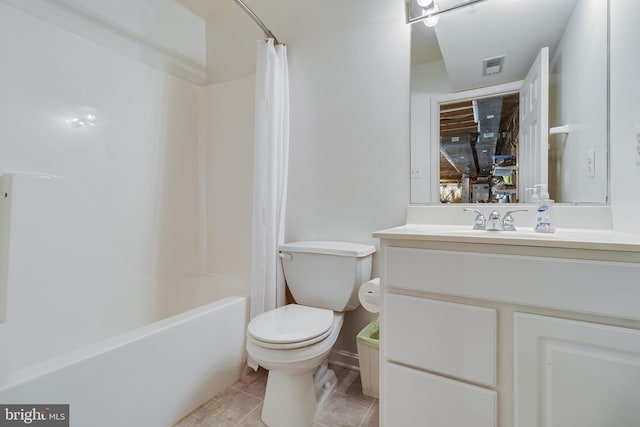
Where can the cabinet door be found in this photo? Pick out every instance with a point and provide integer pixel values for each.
(415, 398)
(570, 373)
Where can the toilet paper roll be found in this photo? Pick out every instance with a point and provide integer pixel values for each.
(369, 295)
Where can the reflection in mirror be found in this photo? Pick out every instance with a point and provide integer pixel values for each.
(479, 150)
(448, 59)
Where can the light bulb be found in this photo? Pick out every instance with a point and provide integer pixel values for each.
(425, 3)
(431, 20)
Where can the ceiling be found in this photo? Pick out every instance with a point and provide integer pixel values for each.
(208, 8)
(462, 38)
(465, 37)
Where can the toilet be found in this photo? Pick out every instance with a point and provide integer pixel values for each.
(293, 342)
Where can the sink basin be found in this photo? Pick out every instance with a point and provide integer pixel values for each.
(529, 234)
(468, 231)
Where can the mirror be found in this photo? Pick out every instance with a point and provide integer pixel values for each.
(449, 67)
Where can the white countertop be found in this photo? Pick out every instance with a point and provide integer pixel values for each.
(568, 238)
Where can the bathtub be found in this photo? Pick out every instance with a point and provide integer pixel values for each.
(150, 376)
(97, 328)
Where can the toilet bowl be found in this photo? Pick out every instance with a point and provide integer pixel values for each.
(293, 342)
(298, 383)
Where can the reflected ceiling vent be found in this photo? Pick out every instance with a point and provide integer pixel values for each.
(492, 66)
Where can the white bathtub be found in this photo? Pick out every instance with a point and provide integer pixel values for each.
(151, 376)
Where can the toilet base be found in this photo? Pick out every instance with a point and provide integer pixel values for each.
(293, 399)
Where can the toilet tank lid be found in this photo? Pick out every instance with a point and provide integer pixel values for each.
(327, 247)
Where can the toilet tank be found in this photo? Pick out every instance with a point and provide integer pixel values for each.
(326, 274)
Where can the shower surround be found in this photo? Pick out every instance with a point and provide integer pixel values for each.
(106, 282)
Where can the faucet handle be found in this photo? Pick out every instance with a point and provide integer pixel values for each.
(480, 220)
(507, 220)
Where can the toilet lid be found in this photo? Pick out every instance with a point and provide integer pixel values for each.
(290, 324)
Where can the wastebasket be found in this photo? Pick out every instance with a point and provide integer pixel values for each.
(368, 341)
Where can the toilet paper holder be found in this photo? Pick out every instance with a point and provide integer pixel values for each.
(372, 297)
(369, 295)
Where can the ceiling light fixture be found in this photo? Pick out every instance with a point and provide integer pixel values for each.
(432, 18)
(425, 3)
(427, 10)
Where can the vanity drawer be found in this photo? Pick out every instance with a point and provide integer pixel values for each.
(448, 338)
(604, 287)
(417, 398)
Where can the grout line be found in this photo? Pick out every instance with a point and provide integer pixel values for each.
(249, 394)
(261, 401)
(198, 409)
(369, 411)
(247, 416)
(366, 414)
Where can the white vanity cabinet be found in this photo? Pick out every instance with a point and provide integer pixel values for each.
(501, 334)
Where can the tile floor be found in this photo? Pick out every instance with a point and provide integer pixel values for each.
(241, 404)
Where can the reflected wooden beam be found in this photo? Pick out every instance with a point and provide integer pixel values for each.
(454, 114)
(459, 124)
(458, 131)
(456, 106)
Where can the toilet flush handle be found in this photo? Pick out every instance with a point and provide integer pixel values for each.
(286, 256)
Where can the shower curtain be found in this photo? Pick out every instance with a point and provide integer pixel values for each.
(270, 166)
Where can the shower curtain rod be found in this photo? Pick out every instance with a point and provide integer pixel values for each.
(267, 32)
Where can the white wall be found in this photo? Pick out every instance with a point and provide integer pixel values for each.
(227, 127)
(126, 192)
(625, 114)
(578, 97)
(231, 45)
(349, 149)
(160, 33)
(349, 141)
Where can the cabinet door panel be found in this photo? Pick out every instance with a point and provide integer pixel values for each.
(453, 339)
(415, 398)
(570, 373)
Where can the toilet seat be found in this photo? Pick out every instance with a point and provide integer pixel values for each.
(290, 326)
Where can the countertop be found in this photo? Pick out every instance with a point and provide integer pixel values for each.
(566, 238)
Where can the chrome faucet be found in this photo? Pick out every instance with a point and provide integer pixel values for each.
(494, 223)
(480, 221)
(507, 221)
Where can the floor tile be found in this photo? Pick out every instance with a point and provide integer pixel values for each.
(373, 417)
(341, 410)
(253, 419)
(241, 404)
(228, 409)
(349, 383)
(254, 383)
(190, 421)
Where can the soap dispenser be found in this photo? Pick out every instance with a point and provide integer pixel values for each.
(544, 217)
(534, 195)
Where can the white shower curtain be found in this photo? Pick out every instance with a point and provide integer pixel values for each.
(270, 166)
